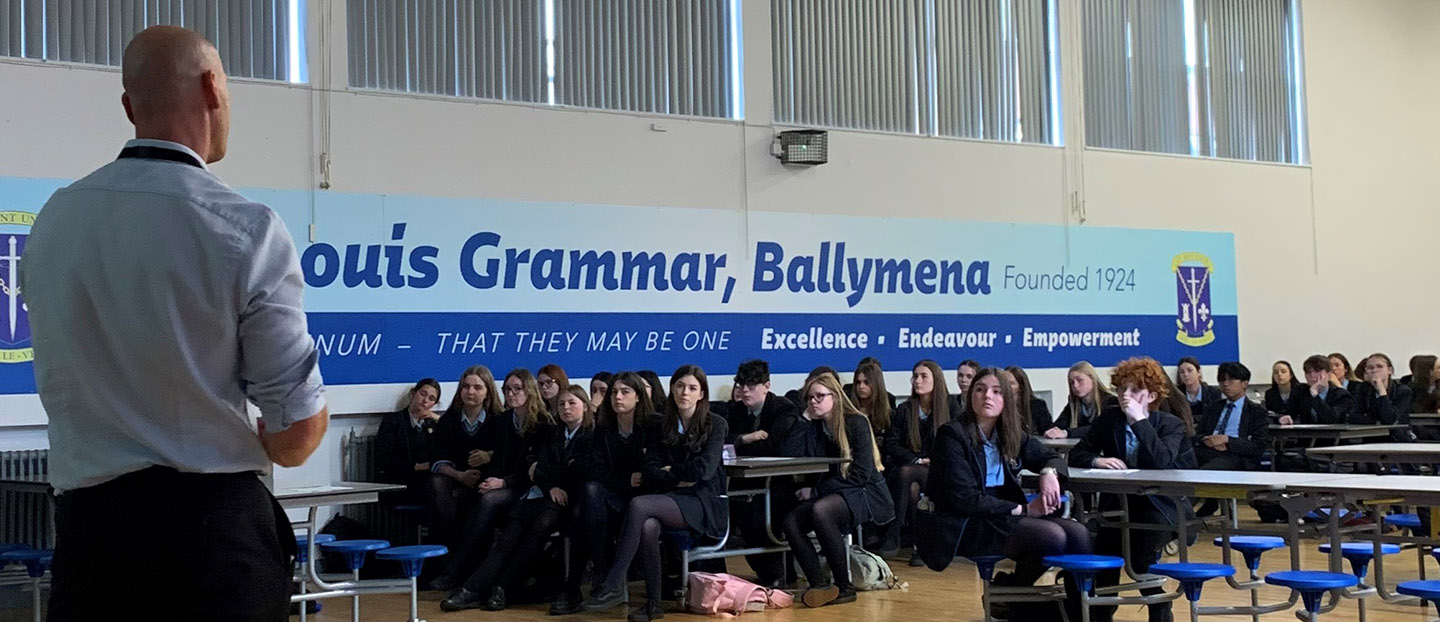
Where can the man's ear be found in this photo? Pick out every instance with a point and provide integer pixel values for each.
(210, 89)
(129, 113)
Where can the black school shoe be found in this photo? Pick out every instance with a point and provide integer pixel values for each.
(496, 601)
(605, 599)
(847, 595)
(566, 605)
(652, 610)
(463, 599)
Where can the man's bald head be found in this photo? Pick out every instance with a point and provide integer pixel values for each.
(175, 89)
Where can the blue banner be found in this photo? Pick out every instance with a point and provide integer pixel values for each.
(405, 287)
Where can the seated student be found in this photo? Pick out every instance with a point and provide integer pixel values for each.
(1034, 412)
(552, 381)
(684, 461)
(404, 446)
(847, 495)
(850, 389)
(520, 431)
(871, 398)
(907, 446)
(465, 440)
(1286, 395)
(1341, 374)
(1380, 400)
(974, 504)
(600, 387)
(1234, 432)
(1322, 402)
(797, 398)
(562, 465)
(654, 387)
(1137, 435)
(759, 421)
(964, 375)
(1087, 399)
(1190, 380)
(624, 424)
(1425, 384)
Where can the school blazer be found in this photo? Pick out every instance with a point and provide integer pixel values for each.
(777, 416)
(567, 468)
(399, 447)
(1254, 432)
(1393, 408)
(1163, 444)
(1335, 408)
(896, 445)
(1069, 419)
(956, 489)
(1298, 392)
(703, 467)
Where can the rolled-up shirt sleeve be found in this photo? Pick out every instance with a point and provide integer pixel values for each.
(279, 365)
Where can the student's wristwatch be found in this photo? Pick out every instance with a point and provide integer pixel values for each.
(1048, 471)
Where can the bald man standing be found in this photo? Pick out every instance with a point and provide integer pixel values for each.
(160, 301)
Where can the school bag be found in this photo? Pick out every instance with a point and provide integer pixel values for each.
(869, 571)
(728, 595)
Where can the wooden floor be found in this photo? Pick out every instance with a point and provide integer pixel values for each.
(934, 597)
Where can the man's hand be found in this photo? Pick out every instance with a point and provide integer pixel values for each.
(1115, 464)
(758, 435)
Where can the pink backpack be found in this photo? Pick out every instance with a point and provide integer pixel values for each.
(729, 595)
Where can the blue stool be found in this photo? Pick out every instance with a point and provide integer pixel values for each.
(1312, 584)
(411, 559)
(302, 557)
(1428, 591)
(1082, 568)
(354, 552)
(36, 563)
(985, 565)
(1192, 577)
(1359, 554)
(1403, 521)
(1252, 547)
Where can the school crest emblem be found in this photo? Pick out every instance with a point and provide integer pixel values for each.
(1192, 285)
(15, 346)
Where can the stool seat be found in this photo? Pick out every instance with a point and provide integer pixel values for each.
(418, 551)
(1090, 563)
(1192, 576)
(302, 545)
(1192, 571)
(411, 558)
(1312, 584)
(36, 561)
(985, 564)
(1252, 547)
(354, 546)
(354, 550)
(1362, 548)
(1428, 590)
(1403, 521)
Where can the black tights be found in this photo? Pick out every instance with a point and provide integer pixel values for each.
(909, 484)
(1033, 539)
(448, 499)
(518, 547)
(824, 516)
(644, 519)
(480, 531)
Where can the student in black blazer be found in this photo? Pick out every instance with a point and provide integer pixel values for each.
(794, 394)
(1233, 432)
(563, 462)
(684, 462)
(1136, 435)
(868, 394)
(1342, 374)
(624, 423)
(759, 422)
(1192, 383)
(465, 440)
(1321, 402)
(907, 447)
(973, 502)
(1034, 412)
(1087, 399)
(848, 495)
(1286, 395)
(1380, 400)
(404, 446)
(519, 433)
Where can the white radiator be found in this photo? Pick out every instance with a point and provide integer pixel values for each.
(25, 516)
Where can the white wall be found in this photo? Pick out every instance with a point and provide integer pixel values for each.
(1329, 255)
